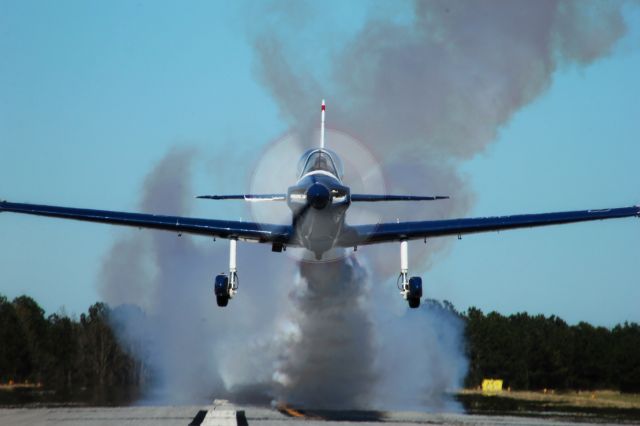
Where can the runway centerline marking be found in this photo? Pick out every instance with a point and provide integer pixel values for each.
(221, 413)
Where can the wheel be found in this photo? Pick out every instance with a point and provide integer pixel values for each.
(221, 286)
(414, 302)
(221, 289)
(415, 287)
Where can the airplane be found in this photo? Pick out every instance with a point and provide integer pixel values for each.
(319, 202)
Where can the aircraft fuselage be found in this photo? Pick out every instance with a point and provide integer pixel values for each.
(319, 202)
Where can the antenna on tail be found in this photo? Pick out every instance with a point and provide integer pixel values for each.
(322, 127)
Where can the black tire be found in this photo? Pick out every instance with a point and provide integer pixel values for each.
(222, 300)
(221, 286)
(415, 287)
(414, 302)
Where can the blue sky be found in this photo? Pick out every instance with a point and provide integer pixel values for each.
(92, 95)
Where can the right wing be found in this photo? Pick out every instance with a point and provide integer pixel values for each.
(253, 231)
(376, 197)
(387, 232)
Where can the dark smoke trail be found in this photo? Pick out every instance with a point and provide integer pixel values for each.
(329, 361)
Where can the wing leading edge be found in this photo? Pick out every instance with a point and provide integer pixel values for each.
(246, 197)
(386, 232)
(252, 231)
(376, 198)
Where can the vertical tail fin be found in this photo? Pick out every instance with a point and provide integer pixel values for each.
(322, 127)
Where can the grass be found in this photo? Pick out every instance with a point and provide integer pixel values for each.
(586, 399)
(11, 386)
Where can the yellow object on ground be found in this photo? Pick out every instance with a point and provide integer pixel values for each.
(492, 385)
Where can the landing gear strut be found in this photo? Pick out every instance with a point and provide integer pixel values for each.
(410, 288)
(226, 287)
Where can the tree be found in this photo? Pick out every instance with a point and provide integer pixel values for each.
(34, 327)
(14, 354)
(62, 370)
(106, 364)
(626, 357)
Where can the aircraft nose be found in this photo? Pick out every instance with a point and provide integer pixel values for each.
(318, 196)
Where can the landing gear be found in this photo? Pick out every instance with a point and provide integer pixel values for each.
(226, 287)
(221, 289)
(415, 292)
(410, 288)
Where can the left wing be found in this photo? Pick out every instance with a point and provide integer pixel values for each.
(253, 231)
(385, 232)
(246, 197)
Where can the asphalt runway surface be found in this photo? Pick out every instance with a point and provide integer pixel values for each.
(224, 414)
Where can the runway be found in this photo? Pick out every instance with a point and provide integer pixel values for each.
(222, 413)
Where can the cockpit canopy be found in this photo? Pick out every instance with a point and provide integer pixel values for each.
(320, 159)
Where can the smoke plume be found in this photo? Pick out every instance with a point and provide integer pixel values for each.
(426, 87)
(329, 359)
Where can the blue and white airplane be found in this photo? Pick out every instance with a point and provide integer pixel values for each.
(319, 201)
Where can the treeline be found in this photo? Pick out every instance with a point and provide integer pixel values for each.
(527, 352)
(538, 352)
(62, 353)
